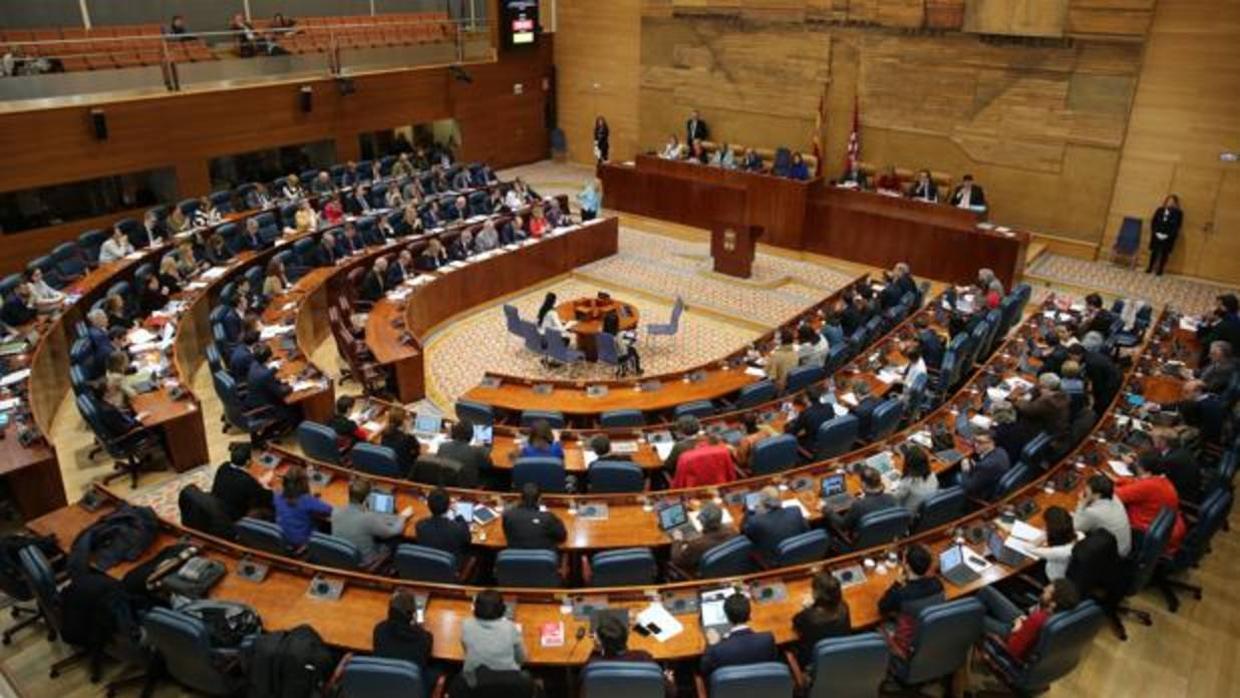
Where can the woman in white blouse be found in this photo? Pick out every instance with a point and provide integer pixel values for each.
(45, 298)
(1060, 537)
(918, 482)
(548, 318)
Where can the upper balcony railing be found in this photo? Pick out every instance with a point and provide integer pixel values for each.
(43, 67)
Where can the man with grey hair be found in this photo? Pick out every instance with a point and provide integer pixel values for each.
(686, 554)
(1221, 370)
(1047, 410)
(771, 523)
(985, 279)
(101, 345)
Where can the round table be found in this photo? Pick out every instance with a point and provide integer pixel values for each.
(588, 313)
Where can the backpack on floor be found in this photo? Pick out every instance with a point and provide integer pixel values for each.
(292, 664)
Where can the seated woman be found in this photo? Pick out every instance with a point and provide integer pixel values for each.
(178, 222)
(44, 298)
(292, 190)
(395, 437)
(611, 642)
(626, 345)
(1060, 538)
(672, 150)
(297, 509)
(433, 256)
(275, 282)
(826, 616)
(541, 442)
(401, 636)
(491, 642)
(170, 279)
(153, 296)
(333, 210)
(724, 157)
(119, 317)
(1019, 631)
(918, 482)
(206, 214)
(218, 253)
(538, 224)
(188, 263)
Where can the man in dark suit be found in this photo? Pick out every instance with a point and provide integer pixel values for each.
(1168, 455)
(1057, 350)
(931, 343)
(101, 346)
(232, 320)
(152, 231)
(873, 498)
(924, 188)
(242, 356)
(325, 254)
(471, 457)
(1104, 376)
(257, 198)
(741, 645)
(1097, 318)
(375, 283)
(772, 523)
(117, 421)
(358, 203)
(236, 489)
(1223, 325)
(1203, 410)
(431, 216)
(866, 404)
(443, 530)
(402, 269)
(18, 308)
(980, 474)
(350, 242)
(696, 129)
(529, 527)
(264, 389)
(1221, 369)
(805, 425)
(252, 238)
(1048, 411)
(968, 194)
(458, 211)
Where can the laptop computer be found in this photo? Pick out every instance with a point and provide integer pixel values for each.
(465, 510)
(960, 565)
(1002, 552)
(675, 517)
(483, 435)
(427, 424)
(711, 608)
(835, 494)
(382, 502)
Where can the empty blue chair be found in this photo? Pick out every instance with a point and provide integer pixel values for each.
(837, 436)
(804, 547)
(188, 207)
(606, 350)
(222, 200)
(69, 262)
(773, 454)
(618, 419)
(231, 235)
(90, 241)
(318, 441)
(944, 635)
(374, 459)
(884, 420)
(755, 394)
(532, 338)
(882, 527)
(941, 508)
(1016, 477)
(615, 476)
(836, 356)
(610, 679)
(1128, 241)
(512, 319)
(375, 677)
(730, 558)
(262, 535)
(802, 377)
(1037, 452)
(333, 551)
(183, 644)
(669, 329)
(624, 567)
(1061, 643)
(849, 667)
(697, 408)
(555, 419)
(767, 679)
(527, 568)
(548, 473)
(423, 564)
(475, 413)
(559, 351)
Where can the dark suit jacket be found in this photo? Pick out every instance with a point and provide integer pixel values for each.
(143, 237)
(230, 319)
(345, 245)
(929, 191)
(373, 286)
(1105, 378)
(865, 505)
(239, 361)
(742, 646)
(978, 197)
(323, 256)
(101, 348)
(1101, 323)
(468, 455)
(238, 491)
(405, 445)
(1226, 329)
(1168, 225)
(805, 426)
(864, 411)
(16, 312)
(264, 388)
(768, 529)
(696, 130)
(980, 482)
(428, 263)
(356, 205)
(397, 274)
(450, 535)
(932, 348)
(1206, 414)
(253, 241)
(115, 421)
(1181, 468)
(533, 529)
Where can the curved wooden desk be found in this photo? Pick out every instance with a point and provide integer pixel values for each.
(586, 318)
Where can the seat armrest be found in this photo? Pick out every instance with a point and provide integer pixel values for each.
(333, 683)
(699, 685)
(587, 573)
(437, 691)
(675, 572)
(798, 676)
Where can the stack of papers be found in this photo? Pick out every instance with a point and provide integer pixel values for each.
(655, 614)
(273, 331)
(15, 377)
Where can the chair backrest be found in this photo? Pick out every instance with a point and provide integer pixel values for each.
(885, 419)
(732, 557)
(766, 679)
(804, 547)
(755, 394)
(622, 418)
(836, 356)
(548, 473)
(557, 347)
(944, 635)
(555, 419)
(184, 644)
(1037, 451)
(605, 345)
(1213, 514)
(849, 667)
(615, 476)
(527, 568)
(1128, 241)
(425, 564)
(696, 408)
(837, 436)
(1016, 476)
(607, 679)
(624, 567)
(882, 527)
(942, 507)
(1153, 545)
(41, 582)
(1061, 643)
(69, 260)
(318, 441)
(261, 535)
(371, 677)
(475, 413)
(512, 318)
(802, 377)
(333, 551)
(677, 309)
(90, 241)
(773, 454)
(374, 459)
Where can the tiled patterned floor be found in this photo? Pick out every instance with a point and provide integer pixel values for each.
(1189, 296)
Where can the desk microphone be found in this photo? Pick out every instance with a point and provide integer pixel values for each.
(580, 634)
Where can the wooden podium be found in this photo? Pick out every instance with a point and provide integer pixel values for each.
(732, 247)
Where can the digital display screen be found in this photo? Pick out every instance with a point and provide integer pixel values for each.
(519, 22)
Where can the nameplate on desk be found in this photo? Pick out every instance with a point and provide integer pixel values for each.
(325, 588)
(543, 389)
(596, 390)
(696, 376)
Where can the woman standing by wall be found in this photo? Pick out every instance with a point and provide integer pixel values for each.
(602, 140)
(1164, 229)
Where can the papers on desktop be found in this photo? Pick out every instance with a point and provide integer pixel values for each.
(1120, 467)
(433, 443)
(140, 336)
(273, 331)
(300, 385)
(840, 410)
(890, 375)
(755, 372)
(14, 377)
(1029, 534)
(794, 503)
(923, 439)
(214, 273)
(10, 403)
(657, 615)
(981, 421)
(850, 398)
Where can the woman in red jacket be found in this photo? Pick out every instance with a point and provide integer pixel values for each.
(1018, 631)
(1145, 495)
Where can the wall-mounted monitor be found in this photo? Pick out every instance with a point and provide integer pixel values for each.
(519, 23)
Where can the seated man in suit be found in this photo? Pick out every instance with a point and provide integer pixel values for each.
(980, 473)
(874, 497)
(258, 198)
(458, 211)
(1097, 318)
(866, 404)
(459, 448)
(252, 238)
(325, 253)
(19, 308)
(1221, 369)
(375, 283)
(358, 203)
(854, 178)
(402, 269)
(1105, 377)
(233, 319)
(915, 587)
(443, 530)
(237, 490)
(686, 554)
(813, 415)
(1198, 408)
(1221, 325)
(527, 526)
(512, 231)
(366, 529)
(968, 194)
(350, 242)
(265, 390)
(930, 342)
(101, 344)
(924, 188)
(772, 523)
(153, 232)
(323, 185)
(117, 420)
(242, 356)
(431, 216)
(740, 645)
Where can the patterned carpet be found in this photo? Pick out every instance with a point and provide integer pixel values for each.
(1189, 296)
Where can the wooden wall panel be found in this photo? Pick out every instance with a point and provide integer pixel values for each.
(1016, 17)
(1183, 117)
(598, 51)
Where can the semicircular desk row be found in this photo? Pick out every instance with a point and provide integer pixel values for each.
(283, 601)
(171, 409)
